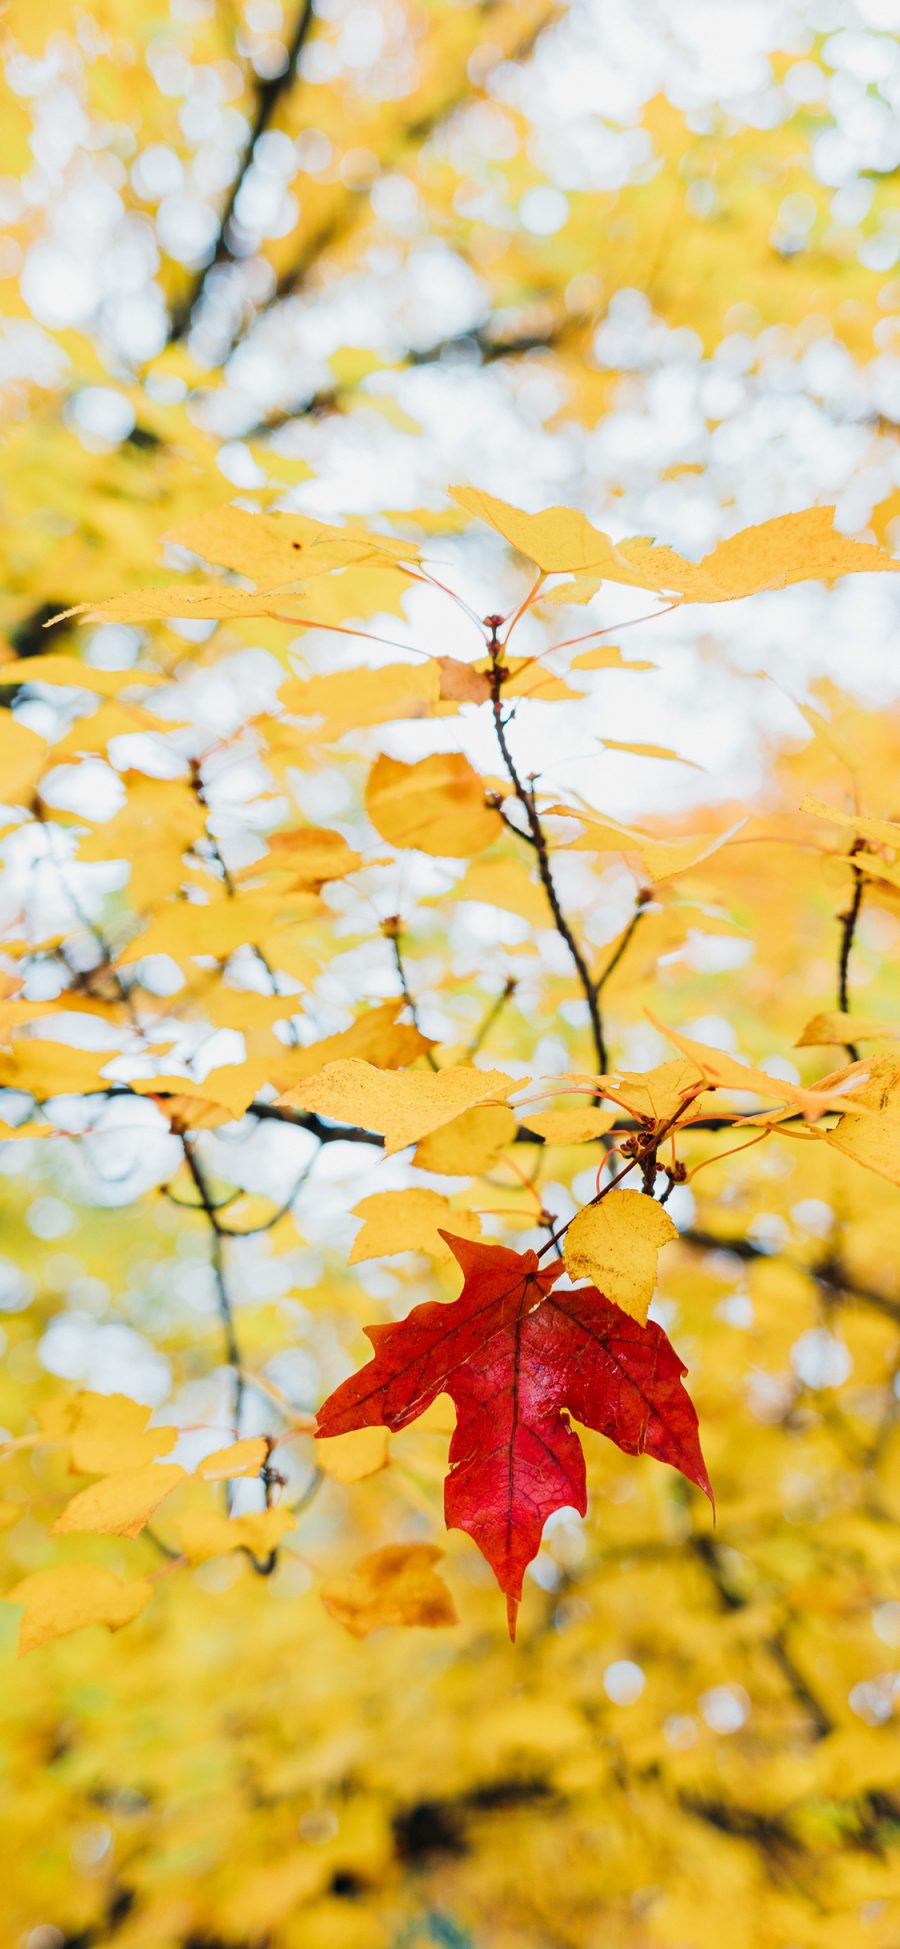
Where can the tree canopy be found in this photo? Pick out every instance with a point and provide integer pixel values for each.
(449, 1074)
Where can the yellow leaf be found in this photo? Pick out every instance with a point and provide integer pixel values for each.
(874, 1141)
(350, 1458)
(649, 751)
(10, 1513)
(57, 668)
(503, 883)
(120, 1504)
(722, 1071)
(579, 1126)
(469, 1144)
(396, 1585)
(347, 700)
(559, 540)
(661, 859)
(408, 1221)
(230, 1087)
(23, 755)
(46, 1068)
(657, 1094)
(463, 683)
(827, 1029)
(205, 1533)
(72, 1595)
(615, 1244)
(883, 832)
(311, 854)
(436, 805)
(376, 1034)
(607, 657)
(402, 1105)
(215, 927)
(109, 1432)
(792, 548)
(277, 548)
(239, 1458)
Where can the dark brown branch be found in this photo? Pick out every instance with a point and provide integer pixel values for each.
(539, 841)
(268, 96)
(848, 930)
(411, 134)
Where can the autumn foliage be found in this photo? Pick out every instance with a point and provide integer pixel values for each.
(448, 981)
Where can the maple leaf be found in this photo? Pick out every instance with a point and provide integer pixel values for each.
(517, 1359)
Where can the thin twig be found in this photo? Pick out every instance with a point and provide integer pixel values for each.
(217, 1260)
(391, 931)
(643, 900)
(493, 1014)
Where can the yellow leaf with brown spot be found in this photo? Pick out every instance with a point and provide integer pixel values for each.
(396, 1585)
(874, 1141)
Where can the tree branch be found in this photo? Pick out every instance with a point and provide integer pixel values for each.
(848, 930)
(268, 95)
(538, 839)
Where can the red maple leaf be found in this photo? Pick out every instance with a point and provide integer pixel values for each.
(517, 1359)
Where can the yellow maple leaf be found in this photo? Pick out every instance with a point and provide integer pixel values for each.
(615, 1244)
(120, 1504)
(401, 1105)
(71, 1595)
(109, 1432)
(436, 804)
(409, 1221)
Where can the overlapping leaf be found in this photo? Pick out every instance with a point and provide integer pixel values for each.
(517, 1358)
